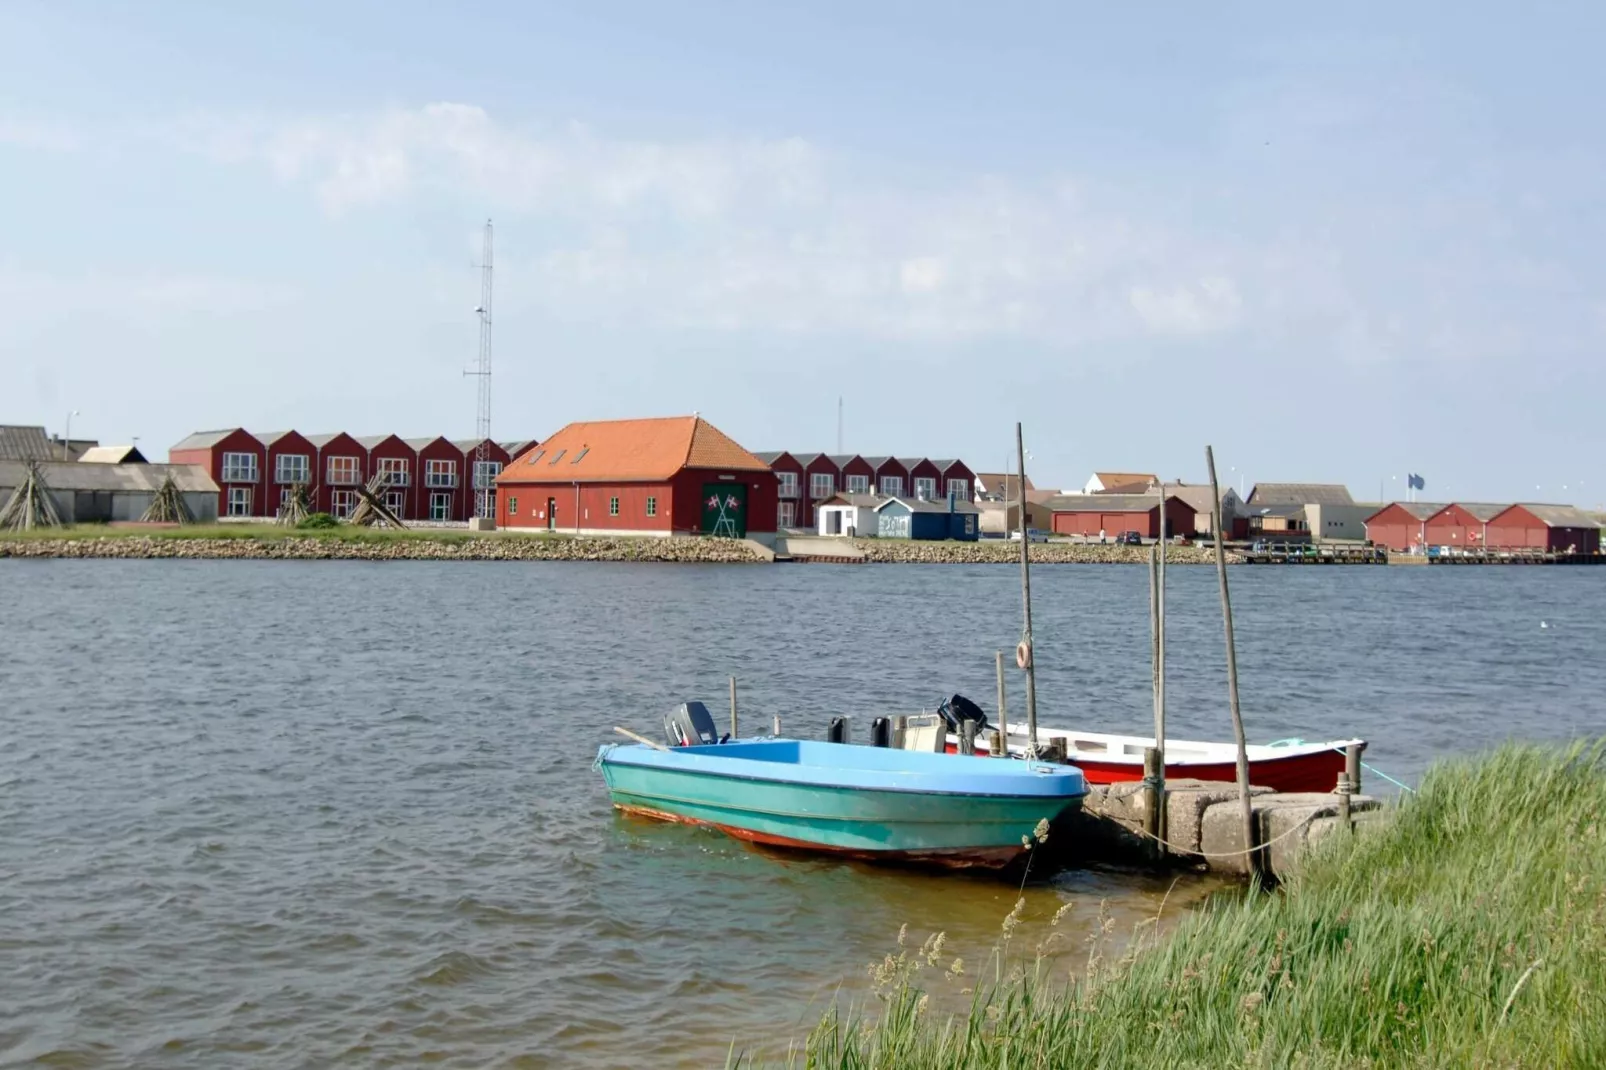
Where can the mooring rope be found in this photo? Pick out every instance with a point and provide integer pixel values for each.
(1226, 854)
(1385, 776)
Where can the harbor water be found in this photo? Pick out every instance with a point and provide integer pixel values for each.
(344, 814)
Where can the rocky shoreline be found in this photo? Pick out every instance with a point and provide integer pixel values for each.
(296, 548)
(1044, 553)
(588, 548)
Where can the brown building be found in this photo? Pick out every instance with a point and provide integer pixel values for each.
(1108, 515)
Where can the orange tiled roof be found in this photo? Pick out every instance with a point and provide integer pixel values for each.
(630, 450)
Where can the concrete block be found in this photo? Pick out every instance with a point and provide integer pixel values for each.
(1186, 803)
(482, 523)
(1221, 833)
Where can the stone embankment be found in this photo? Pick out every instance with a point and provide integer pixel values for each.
(999, 551)
(292, 548)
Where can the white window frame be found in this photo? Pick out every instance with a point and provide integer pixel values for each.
(396, 502)
(342, 503)
(239, 468)
(399, 469)
(301, 473)
(858, 484)
(239, 501)
(485, 473)
(788, 484)
(959, 489)
(892, 486)
(440, 505)
(652, 505)
(821, 485)
(786, 514)
(438, 473)
(337, 480)
(926, 488)
(613, 506)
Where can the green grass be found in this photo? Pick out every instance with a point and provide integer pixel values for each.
(342, 532)
(1469, 930)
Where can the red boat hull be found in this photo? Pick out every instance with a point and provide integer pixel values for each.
(1295, 772)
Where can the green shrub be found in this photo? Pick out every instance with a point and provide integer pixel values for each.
(318, 520)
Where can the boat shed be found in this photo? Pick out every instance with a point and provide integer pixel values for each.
(914, 518)
(103, 493)
(1463, 525)
(1557, 528)
(1401, 525)
(1110, 514)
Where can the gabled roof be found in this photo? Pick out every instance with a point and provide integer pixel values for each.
(1115, 482)
(997, 483)
(112, 455)
(911, 463)
(875, 462)
(368, 442)
(1301, 493)
(270, 437)
(1419, 510)
(842, 460)
(321, 441)
(73, 476)
(21, 443)
(1104, 503)
(1556, 516)
(201, 440)
(858, 501)
(771, 456)
(916, 505)
(1485, 511)
(1197, 495)
(425, 442)
(631, 450)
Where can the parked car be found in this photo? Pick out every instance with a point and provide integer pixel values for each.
(1032, 535)
(1129, 538)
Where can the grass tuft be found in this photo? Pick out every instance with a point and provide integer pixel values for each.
(1469, 930)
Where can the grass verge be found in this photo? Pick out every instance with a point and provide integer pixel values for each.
(1470, 930)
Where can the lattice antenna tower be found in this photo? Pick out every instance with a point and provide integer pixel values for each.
(482, 369)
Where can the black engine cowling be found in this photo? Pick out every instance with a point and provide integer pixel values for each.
(959, 708)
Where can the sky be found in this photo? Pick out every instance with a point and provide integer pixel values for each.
(1338, 243)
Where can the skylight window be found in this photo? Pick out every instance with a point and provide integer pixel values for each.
(583, 451)
(558, 456)
(536, 456)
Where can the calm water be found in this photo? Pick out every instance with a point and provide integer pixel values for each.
(310, 814)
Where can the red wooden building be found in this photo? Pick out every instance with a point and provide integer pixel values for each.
(437, 480)
(791, 505)
(479, 493)
(891, 477)
(341, 467)
(958, 481)
(925, 479)
(235, 459)
(1109, 515)
(855, 474)
(1460, 524)
(663, 476)
(1528, 526)
(1399, 526)
(399, 461)
(822, 478)
(288, 458)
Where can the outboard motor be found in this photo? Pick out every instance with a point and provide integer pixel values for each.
(838, 731)
(881, 732)
(959, 708)
(691, 726)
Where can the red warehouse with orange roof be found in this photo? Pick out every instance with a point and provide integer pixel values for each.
(662, 476)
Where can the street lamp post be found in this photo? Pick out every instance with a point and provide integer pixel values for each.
(66, 441)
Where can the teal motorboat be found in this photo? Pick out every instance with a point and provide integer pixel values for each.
(873, 803)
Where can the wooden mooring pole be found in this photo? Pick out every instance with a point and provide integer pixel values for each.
(1003, 717)
(733, 708)
(1025, 656)
(1232, 659)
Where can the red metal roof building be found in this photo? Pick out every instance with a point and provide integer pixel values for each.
(663, 476)
(1460, 524)
(1528, 526)
(1110, 514)
(1399, 526)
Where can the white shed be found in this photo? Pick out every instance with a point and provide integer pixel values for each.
(848, 514)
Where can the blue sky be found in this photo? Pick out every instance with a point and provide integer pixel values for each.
(1338, 244)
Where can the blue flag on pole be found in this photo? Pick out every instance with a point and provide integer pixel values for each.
(1416, 482)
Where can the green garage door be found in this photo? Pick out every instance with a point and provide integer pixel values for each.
(725, 509)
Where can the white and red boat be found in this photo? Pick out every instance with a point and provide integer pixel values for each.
(1287, 765)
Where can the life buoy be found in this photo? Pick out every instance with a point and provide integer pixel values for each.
(1023, 654)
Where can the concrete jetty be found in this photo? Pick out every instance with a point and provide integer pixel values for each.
(1203, 825)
